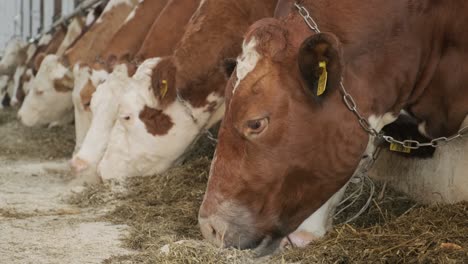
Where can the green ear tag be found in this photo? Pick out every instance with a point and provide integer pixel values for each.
(163, 90)
(322, 84)
(399, 148)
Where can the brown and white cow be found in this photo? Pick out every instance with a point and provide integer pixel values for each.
(121, 49)
(163, 36)
(24, 74)
(288, 143)
(51, 102)
(173, 100)
(44, 104)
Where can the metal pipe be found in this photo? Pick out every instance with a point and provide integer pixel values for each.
(21, 18)
(57, 10)
(30, 19)
(83, 7)
(41, 17)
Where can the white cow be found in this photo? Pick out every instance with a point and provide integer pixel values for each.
(49, 101)
(132, 150)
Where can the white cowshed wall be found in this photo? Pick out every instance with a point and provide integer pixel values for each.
(10, 18)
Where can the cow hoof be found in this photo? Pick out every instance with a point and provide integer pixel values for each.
(297, 239)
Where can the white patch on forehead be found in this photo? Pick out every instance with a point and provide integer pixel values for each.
(247, 61)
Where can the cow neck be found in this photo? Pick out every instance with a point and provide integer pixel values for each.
(91, 44)
(354, 106)
(199, 73)
(123, 48)
(169, 26)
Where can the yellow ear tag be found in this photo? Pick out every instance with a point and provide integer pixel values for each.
(322, 83)
(163, 90)
(399, 148)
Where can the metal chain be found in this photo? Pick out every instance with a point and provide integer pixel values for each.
(352, 106)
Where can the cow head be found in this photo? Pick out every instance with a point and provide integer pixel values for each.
(49, 101)
(103, 108)
(287, 142)
(155, 126)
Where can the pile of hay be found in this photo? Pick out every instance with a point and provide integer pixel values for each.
(162, 210)
(21, 142)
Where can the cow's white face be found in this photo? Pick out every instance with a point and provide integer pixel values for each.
(50, 99)
(104, 109)
(133, 150)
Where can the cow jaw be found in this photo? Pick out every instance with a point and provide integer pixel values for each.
(47, 104)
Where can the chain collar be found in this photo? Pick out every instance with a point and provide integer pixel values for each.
(352, 106)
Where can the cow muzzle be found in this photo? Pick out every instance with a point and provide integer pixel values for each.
(78, 165)
(238, 232)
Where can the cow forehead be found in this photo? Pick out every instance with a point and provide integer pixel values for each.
(132, 101)
(247, 62)
(52, 67)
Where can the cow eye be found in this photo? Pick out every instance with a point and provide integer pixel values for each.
(256, 126)
(125, 117)
(87, 105)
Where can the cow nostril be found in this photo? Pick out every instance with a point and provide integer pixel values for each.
(213, 231)
(78, 165)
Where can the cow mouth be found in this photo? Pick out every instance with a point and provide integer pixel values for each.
(267, 246)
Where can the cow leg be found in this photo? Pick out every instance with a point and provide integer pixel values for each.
(316, 225)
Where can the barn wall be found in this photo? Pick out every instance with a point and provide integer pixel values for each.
(13, 25)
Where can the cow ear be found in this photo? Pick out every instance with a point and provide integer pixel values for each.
(229, 65)
(38, 61)
(163, 81)
(320, 63)
(64, 84)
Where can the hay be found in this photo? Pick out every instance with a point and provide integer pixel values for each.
(434, 234)
(163, 209)
(42, 143)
